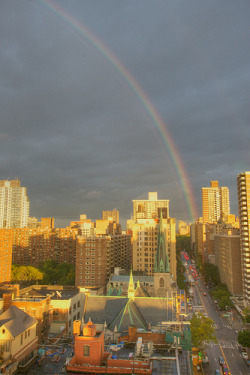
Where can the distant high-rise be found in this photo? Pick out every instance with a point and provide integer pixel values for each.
(14, 205)
(243, 182)
(215, 202)
(150, 208)
(111, 215)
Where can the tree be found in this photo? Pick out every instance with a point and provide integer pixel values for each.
(183, 243)
(244, 338)
(62, 274)
(202, 330)
(26, 274)
(211, 273)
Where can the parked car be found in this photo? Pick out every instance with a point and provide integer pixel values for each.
(204, 293)
(244, 355)
(217, 372)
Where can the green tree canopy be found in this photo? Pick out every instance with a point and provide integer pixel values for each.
(183, 243)
(26, 273)
(211, 273)
(244, 338)
(202, 330)
(62, 274)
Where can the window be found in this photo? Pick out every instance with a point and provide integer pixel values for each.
(161, 282)
(86, 350)
(21, 343)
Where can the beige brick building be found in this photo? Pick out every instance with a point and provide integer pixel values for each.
(228, 259)
(144, 229)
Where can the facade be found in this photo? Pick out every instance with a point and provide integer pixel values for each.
(37, 306)
(215, 202)
(228, 259)
(32, 246)
(198, 238)
(183, 228)
(111, 215)
(18, 340)
(144, 239)
(107, 227)
(65, 305)
(97, 256)
(5, 256)
(144, 229)
(150, 208)
(14, 205)
(243, 182)
(91, 262)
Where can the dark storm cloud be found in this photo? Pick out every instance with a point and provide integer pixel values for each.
(76, 134)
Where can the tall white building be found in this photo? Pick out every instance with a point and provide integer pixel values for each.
(14, 205)
(243, 182)
(215, 202)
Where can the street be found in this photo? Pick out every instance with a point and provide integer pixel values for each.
(225, 331)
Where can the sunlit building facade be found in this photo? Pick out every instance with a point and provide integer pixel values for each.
(14, 205)
(215, 202)
(144, 229)
(243, 182)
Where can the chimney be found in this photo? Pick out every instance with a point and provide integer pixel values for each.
(7, 301)
(76, 328)
(17, 286)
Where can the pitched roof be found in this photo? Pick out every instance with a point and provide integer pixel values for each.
(155, 310)
(16, 321)
(127, 316)
(140, 291)
(122, 312)
(103, 308)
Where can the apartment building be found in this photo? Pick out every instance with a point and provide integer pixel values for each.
(228, 259)
(97, 256)
(243, 183)
(215, 202)
(32, 246)
(14, 205)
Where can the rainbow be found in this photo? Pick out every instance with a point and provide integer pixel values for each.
(141, 96)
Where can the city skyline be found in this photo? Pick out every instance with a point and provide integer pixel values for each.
(103, 103)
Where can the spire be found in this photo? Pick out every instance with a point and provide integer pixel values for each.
(110, 291)
(131, 289)
(161, 256)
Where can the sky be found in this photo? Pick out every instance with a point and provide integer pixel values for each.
(105, 101)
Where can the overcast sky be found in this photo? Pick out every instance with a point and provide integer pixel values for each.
(79, 137)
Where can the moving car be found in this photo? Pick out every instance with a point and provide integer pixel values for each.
(221, 360)
(225, 370)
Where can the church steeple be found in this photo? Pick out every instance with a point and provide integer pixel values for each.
(131, 289)
(161, 256)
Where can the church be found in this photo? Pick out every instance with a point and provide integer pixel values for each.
(142, 301)
(160, 284)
